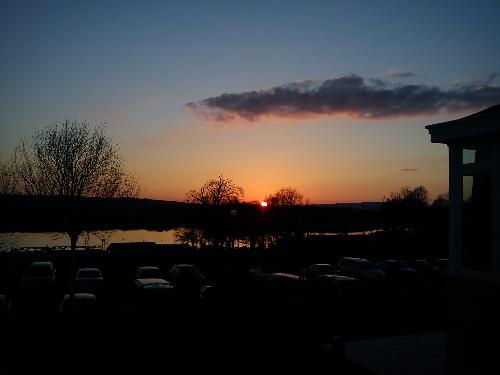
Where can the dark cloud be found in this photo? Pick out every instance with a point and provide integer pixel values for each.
(350, 95)
(401, 74)
(409, 170)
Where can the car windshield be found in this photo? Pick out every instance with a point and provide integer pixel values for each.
(269, 269)
(188, 270)
(40, 270)
(324, 268)
(89, 274)
(366, 266)
(359, 264)
(150, 273)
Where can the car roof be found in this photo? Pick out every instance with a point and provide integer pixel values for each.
(81, 296)
(339, 277)
(356, 259)
(286, 276)
(144, 268)
(153, 281)
(89, 269)
(41, 264)
(184, 265)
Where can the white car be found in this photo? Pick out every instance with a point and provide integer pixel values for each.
(153, 284)
(151, 278)
(89, 278)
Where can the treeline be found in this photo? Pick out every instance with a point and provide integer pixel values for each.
(48, 213)
(51, 213)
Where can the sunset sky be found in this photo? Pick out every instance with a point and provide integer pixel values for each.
(330, 97)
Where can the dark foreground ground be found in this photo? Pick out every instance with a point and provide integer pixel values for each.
(273, 335)
(242, 329)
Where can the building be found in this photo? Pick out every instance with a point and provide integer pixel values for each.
(474, 273)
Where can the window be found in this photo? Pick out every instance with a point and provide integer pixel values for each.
(468, 156)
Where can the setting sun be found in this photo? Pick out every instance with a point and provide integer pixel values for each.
(263, 204)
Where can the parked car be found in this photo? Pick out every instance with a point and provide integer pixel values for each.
(81, 302)
(423, 267)
(338, 284)
(396, 269)
(89, 279)
(39, 275)
(153, 284)
(186, 277)
(318, 269)
(360, 268)
(263, 272)
(148, 272)
(4, 307)
(210, 293)
(151, 278)
(442, 264)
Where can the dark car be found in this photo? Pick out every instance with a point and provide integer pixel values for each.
(337, 285)
(424, 268)
(187, 278)
(318, 269)
(148, 272)
(263, 272)
(360, 268)
(39, 281)
(89, 279)
(4, 306)
(396, 269)
(81, 303)
(442, 264)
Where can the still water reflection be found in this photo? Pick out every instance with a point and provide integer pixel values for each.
(29, 239)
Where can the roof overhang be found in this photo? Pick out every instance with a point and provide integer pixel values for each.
(478, 125)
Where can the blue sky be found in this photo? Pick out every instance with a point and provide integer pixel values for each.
(137, 64)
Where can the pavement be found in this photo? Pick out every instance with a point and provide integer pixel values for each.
(410, 354)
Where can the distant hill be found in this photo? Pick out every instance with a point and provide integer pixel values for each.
(32, 213)
(357, 206)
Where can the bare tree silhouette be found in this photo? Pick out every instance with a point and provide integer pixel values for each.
(442, 200)
(406, 207)
(8, 180)
(72, 160)
(286, 196)
(216, 191)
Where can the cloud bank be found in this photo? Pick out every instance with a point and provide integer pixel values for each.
(350, 95)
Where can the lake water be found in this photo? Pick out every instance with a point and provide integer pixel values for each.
(30, 239)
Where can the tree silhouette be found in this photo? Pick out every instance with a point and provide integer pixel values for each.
(406, 207)
(442, 200)
(72, 160)
(286, 196)
(216, 192)
(8, 181)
